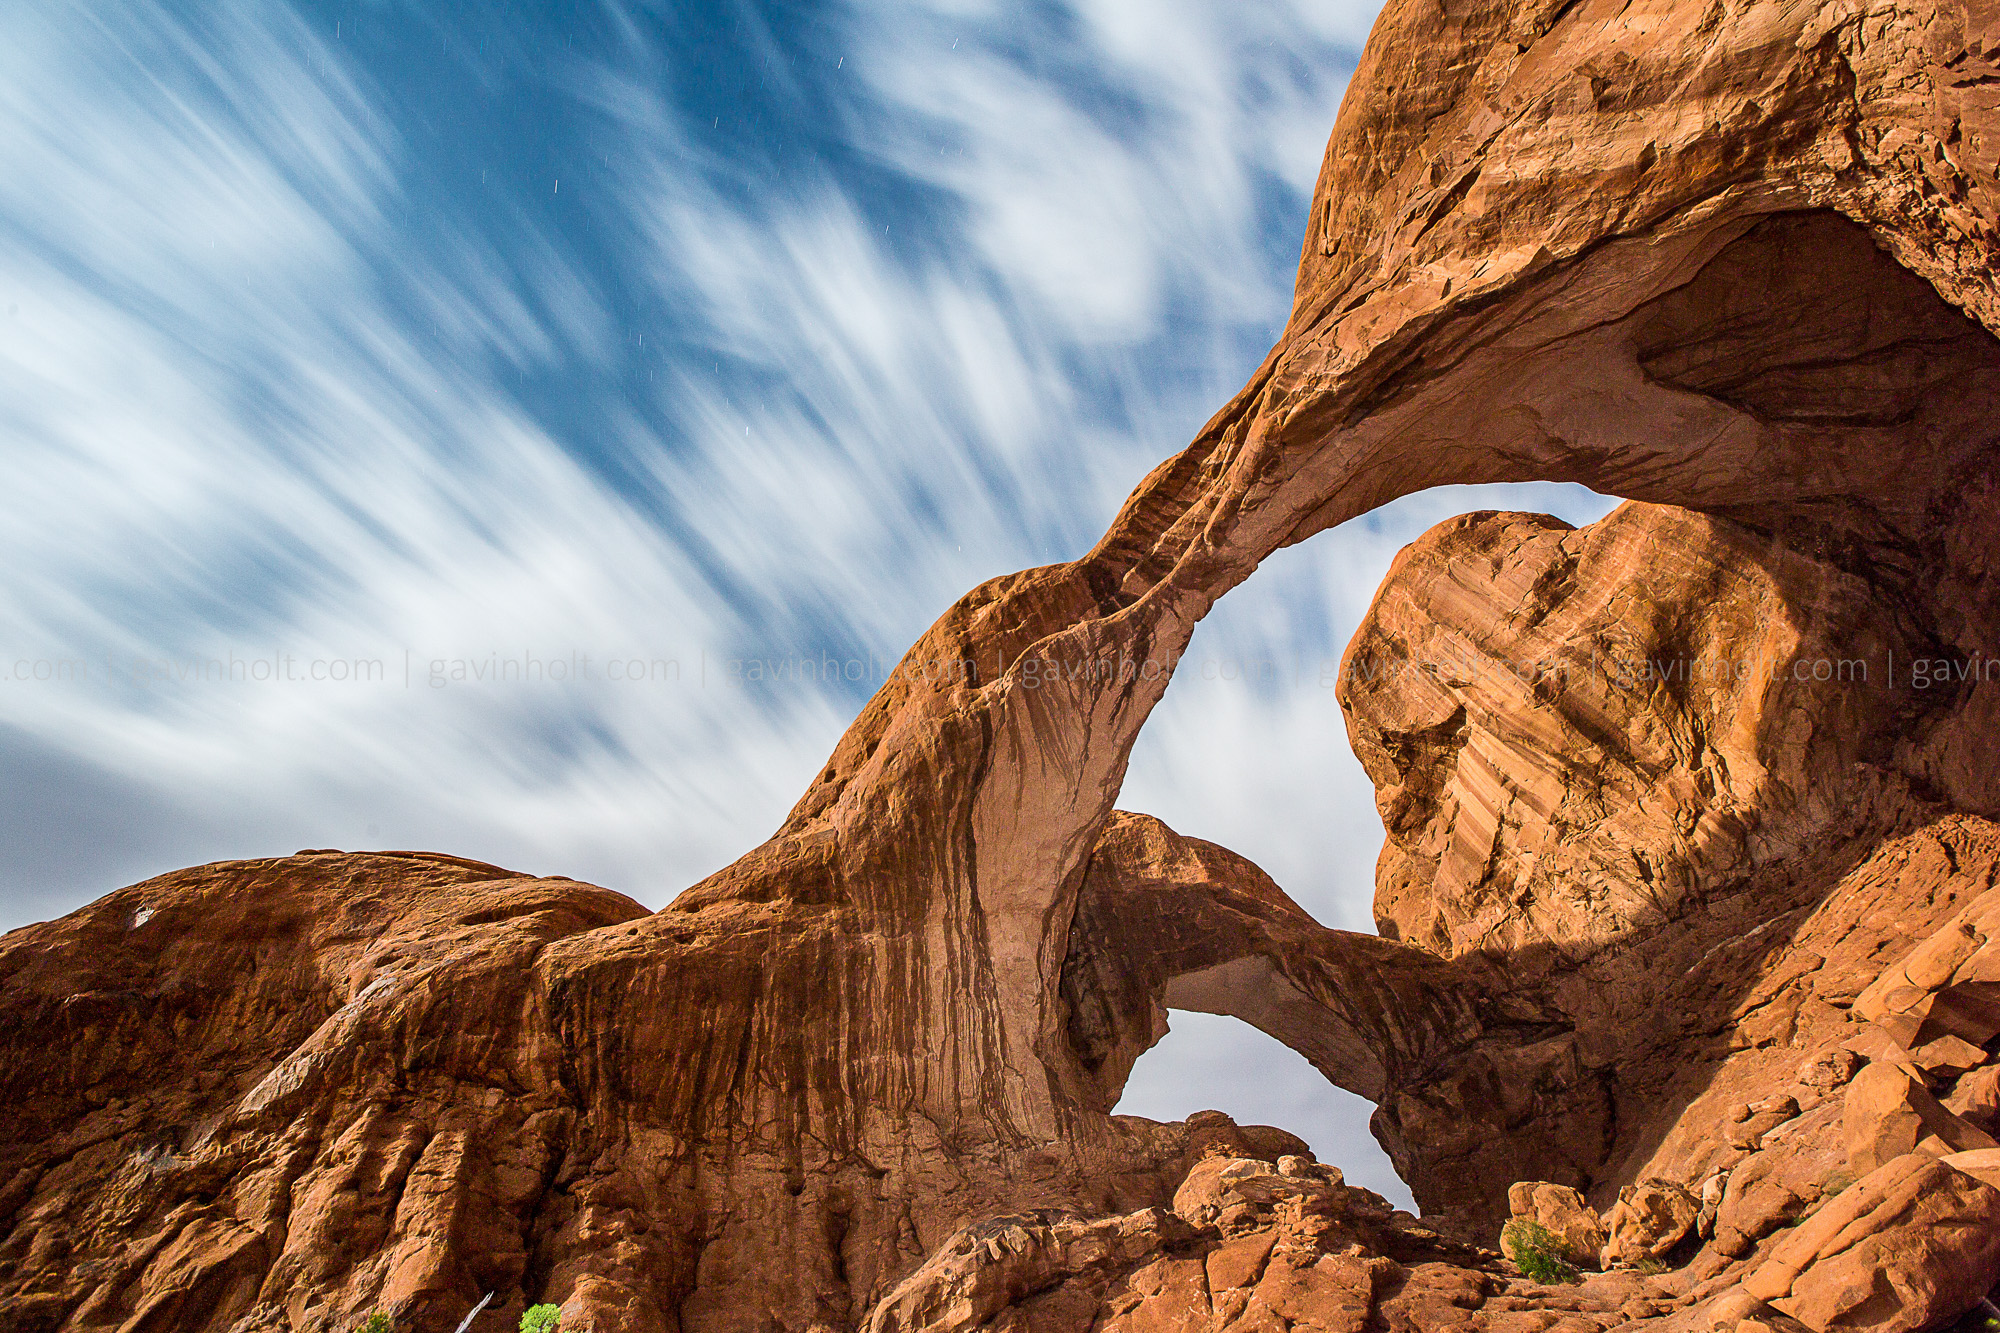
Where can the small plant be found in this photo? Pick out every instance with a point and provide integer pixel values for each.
(1537, 1252)
(377, 1323)
(541, 1319)
(1651, 1267)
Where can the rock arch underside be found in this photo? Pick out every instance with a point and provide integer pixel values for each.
(1681, 914)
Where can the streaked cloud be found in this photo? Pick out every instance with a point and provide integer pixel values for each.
(451, 357)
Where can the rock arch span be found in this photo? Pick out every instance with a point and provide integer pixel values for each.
(1737, 260)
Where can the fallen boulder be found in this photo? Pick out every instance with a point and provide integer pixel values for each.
(1889, 1112)
(1561, 1211)
(1912, 1246)
(1981, 1164)
(1948, 986)
(1977, 1098)
(1649, 1219)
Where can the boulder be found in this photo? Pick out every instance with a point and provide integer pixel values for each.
(1831, 1070)
(1649, 1219)
(1911, 1246)
(1234, 1194)
(985, 1267)
(1760, 1196)
(1976, 1098)
(1948, 986)
(1713, 1188)
(1217, 1184)
(1980, 1164)
(1948, 1056)
(1889, 1112)
(1561, 1211)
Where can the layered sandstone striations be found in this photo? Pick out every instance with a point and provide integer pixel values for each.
(1643, 935)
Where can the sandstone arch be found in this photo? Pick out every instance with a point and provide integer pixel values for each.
(1556, 241)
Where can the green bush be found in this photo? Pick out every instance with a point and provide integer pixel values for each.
(377, 1323)
(541, 1319)
(1537, 1252)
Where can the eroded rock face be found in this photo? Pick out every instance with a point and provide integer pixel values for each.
(1611, 772)
(1545, 711)
(292, 1092)
(1733, 261)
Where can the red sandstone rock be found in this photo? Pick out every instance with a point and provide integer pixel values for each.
(1889, 1112)
(1776, 1186)
(1773, 932)
(1733, 261)
(1560, 1211)
(1976, 1098)
(1911, 1246)
(1946, 991)
(1981, 1164)
(1276, 1249)
(1648, 1221)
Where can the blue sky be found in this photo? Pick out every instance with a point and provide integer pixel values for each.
(439, 362)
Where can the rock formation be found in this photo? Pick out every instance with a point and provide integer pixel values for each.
(1668, 872)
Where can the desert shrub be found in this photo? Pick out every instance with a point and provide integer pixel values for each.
(1537, 1252)
(377, 1323)
(541, 1319)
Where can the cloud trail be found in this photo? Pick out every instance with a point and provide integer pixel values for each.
(383, 388)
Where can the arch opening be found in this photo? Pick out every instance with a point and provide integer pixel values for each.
(1804, 416)
(1216, 1062)
(1248, 747)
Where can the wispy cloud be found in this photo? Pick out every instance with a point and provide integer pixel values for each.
(243, 423)
(668, 339)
